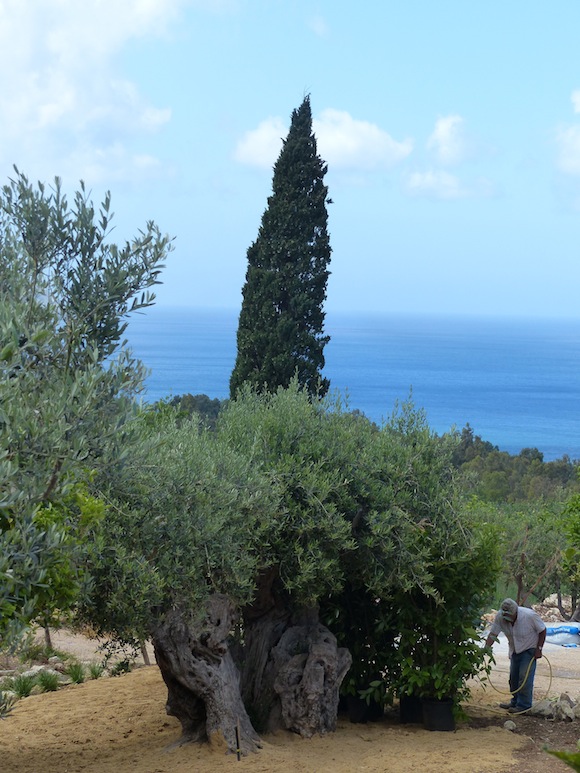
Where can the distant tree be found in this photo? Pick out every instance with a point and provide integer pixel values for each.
(66, 379)
(204, 406)
(280, 332)
(470, 445)
(497, 476)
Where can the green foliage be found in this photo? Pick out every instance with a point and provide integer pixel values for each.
(523, 497)
(22, 685)
(307, 455)
(30, 650)
(530, 538)
(48, 681)
(201, 405)
(359, 520)
(187, 518)
(122, 667)
(572, 759)
(571, 551)
(96, 670)
(76, 517)
(7, 701)
(420, 579)
(66, 378)
(496, 476)
(76, 672)
(280, 332)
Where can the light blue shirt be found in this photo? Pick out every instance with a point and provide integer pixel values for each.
(523, 634)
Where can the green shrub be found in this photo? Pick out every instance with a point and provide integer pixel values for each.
(7, 701)
(22, 685)
(122, 667)
(34, 651)
(48, 681)
(76, 671)
(96, 670)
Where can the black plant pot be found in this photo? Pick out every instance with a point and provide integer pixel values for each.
(361, 712)
(438, 714)
(410, 710)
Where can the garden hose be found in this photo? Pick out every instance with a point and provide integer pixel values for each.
(502, 692)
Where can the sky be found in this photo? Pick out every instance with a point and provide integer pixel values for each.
(451, 132)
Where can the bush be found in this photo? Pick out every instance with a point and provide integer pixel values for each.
(7, 701)
(96, 670)
(22, 685)
(122, 667)
(76, 671)
(33, 651)
(48, 681)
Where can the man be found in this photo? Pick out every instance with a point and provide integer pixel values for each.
(526, 633)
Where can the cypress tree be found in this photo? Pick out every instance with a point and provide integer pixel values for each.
(280, 329)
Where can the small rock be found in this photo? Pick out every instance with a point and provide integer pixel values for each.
(510, 725)
(564, 711)
(544, 708)
(33, 671)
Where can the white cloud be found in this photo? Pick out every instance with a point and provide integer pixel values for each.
(261, 146)
(344, 142)
(347, 143)
(447, 141)
(440, 184)
(61, 100)
(575, 97)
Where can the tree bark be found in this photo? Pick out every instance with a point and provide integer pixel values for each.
(47, 636)
(310, 669)
(202, 680)
(144, 653)
(292, 667)
(576, 616)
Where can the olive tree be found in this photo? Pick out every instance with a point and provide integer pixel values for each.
(175, 561)
(66, 377)
(237, 551)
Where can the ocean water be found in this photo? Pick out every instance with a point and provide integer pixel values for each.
(517, 382)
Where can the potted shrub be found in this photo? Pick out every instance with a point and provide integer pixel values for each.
(364, 626)
(439, 647)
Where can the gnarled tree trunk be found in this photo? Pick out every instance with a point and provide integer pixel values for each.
(201, 677)
(292, 667)
(310, 668)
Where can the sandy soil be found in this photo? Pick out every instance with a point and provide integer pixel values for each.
(118, 725)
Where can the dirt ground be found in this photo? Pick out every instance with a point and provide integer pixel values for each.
(119, 725)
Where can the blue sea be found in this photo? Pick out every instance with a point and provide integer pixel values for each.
(517, 382)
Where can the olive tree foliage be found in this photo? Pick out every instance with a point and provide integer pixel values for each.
(186, 535)
(275, 524)
(66, 378)
(571, 557)
(531, 537)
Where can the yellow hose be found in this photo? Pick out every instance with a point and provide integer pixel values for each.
(502, 692)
